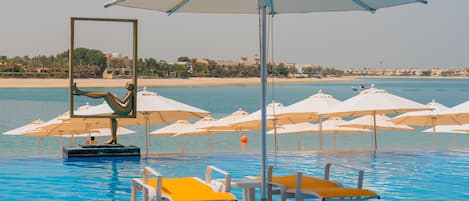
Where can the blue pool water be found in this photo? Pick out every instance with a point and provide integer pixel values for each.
(429, 176)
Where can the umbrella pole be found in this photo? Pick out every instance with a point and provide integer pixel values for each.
(375, 137)
(147, 140)
(263, 11)
(454, 140)
(181, 143)
(209, 141)
(61, 142)
(38, 145)
(335, 141)
(298, 142)
(434, 137)
(320, 133)
(275, 142)
(433, 133)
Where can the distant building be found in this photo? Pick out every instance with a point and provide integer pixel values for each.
(117, 66)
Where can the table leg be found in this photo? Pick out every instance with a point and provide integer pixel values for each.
(245, 194)
(252, 194)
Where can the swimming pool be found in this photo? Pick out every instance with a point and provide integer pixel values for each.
(442, 175)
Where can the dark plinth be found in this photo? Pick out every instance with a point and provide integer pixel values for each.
(101, 150)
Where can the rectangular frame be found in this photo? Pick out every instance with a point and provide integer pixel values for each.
(134, 64)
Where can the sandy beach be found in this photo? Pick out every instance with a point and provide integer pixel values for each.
(57, 83)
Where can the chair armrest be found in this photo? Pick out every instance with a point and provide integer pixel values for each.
(360, 173)
(159, 180)
(208, 176)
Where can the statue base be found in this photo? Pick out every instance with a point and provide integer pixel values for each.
(101, 150)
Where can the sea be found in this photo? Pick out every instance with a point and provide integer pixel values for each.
(406, 165)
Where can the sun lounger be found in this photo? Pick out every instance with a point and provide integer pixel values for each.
(158, 188)
(301, 187)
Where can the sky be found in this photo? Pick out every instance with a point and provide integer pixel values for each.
(415, 35)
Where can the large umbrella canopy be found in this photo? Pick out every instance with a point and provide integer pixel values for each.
(447, 129)
(64, 124)
(382, 123)
(253, 121)
(459, 112)
(427, 118)
(153, 108)
(252, 6)
(196, 128)
(260, 7)
(331, 126)
(225, 123)
(172, 129)
(309, 108)
(374, 102)
(97, 132)
(431, 118)
(24, 129)
(454, 129)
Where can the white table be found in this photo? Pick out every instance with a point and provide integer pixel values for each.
(248, 185)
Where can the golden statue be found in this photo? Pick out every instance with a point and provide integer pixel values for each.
(121, 107)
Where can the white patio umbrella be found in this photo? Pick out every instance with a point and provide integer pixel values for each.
(153, 108)
(261, 7)
(374, 102)
(24, 129)
(382, 123)
(225, 123)
(253, 121)
(427, 118)
(460, 113)
(196, 129)
(309, 109)
(330, 126)
(63, 123)
(172, 129)
(454, 129)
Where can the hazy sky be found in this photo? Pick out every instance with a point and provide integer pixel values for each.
(436, 34)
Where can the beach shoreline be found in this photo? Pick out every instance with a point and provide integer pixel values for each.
(191, 82)
(64, 83)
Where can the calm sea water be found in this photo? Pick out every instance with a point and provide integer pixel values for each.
(22, 106)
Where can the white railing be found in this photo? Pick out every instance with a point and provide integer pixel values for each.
(149, 192)
(227, 180)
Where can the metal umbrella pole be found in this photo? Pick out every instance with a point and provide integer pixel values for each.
(263, 16)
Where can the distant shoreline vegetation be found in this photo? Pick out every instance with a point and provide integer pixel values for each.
(91, 63)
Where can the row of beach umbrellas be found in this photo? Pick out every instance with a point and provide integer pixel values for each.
(371, 105)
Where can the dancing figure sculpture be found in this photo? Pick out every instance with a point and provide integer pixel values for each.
(121, 107)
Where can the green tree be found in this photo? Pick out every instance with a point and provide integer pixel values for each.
(183, 59)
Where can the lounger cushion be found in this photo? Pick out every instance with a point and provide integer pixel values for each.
(190, 189)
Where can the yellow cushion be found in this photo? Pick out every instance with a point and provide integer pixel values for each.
(190, 189)
(342, 192)
(323, 188)
(289, 181)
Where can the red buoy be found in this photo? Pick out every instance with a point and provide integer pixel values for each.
(244, 139)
